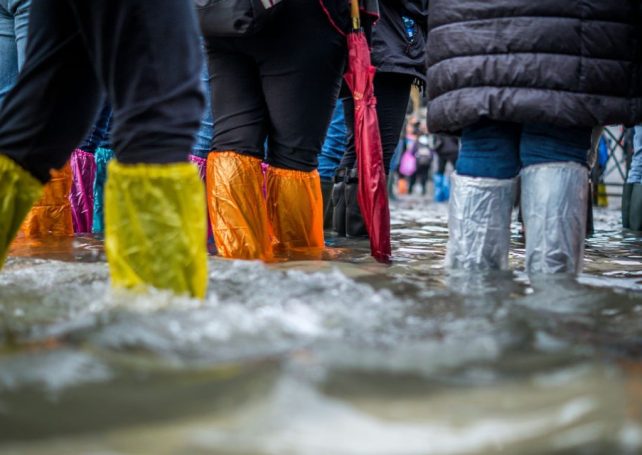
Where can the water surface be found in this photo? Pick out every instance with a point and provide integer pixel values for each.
(335, 356)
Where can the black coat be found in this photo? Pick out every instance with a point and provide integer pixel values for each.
(561, 62)
(393, 51)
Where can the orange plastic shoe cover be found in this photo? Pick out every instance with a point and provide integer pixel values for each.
(51, 214)
(295, 208)
(236, 205)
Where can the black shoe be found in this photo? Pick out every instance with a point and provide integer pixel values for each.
(635, 208)
(355, 226)
(339, 203)
(626, 205)
(326, 191)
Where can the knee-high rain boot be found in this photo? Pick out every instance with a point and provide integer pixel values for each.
(339, 202)
(102, 157)
(18, 191)
(155, 227)
(479, 223)
(355, 225)
(326, 191)
(635, 208)
(83, 169)
(554, 204)
(627, 189)
(51, 214)
(295, 209)
(237, 209)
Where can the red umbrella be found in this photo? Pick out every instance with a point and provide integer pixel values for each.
(373, 193)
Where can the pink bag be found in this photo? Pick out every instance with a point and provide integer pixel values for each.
(408, 164)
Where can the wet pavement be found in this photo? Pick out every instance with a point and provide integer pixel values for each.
(335, 356)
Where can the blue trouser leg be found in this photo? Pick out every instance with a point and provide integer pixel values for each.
(334, 145)
(635, 173)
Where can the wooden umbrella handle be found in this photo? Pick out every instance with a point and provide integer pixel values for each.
(356, 19)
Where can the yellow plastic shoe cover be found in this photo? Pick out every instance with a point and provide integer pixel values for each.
(18, 191)
(51, 214)
(155, 227)
(237, 206)
(295, 208)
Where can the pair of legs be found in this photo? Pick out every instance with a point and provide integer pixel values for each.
(552, 161)
(420, 176)
(145, 54)
(272, 97)
(392, 91)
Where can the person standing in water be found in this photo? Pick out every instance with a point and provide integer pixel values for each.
(146, 55)
(526, 101)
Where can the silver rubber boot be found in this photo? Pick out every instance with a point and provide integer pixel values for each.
(479, 223)
(554, 206)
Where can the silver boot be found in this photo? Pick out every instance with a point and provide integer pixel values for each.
(554, 206)
(479, 223)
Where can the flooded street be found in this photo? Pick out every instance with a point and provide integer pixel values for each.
(340, 356)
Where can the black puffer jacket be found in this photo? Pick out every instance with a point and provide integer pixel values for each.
(393, 50)
(562, 62)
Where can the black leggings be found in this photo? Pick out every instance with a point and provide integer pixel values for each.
(145, 54)
(393, 93)
(280, 85)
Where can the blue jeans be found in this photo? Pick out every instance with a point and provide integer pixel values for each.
(205, 133)
(335, 144)
(635, 173)
(100, 134)
(14, 24)
(500, 150)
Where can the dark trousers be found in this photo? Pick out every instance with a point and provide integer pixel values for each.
(442, 162)
(392, 91)
(279, 86)
(145, 54)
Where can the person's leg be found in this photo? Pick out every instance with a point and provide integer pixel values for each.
(87, 210)
(482, 197)
(392, 92)
(20, 10)
(332, 151)
(8, 50)
(44, 118)
(632, 191)
(635, 172)
(439, 180)
(301, 85)
(235, 182)
(554, 189)
(147, 55)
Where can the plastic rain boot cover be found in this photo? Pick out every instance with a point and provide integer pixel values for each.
(83, 169)
(479, 223)
(295, 208)
(201, 164)
(51, 214)
(18, 191)
(355, 224)
(102, 157)
(555, 204)
(237, 209)
(156, 227)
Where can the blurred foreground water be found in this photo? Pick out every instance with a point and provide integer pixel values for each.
(339, 356)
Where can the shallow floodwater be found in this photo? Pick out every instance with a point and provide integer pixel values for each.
(340, 356)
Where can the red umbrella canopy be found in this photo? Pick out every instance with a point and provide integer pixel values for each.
(372, 193)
